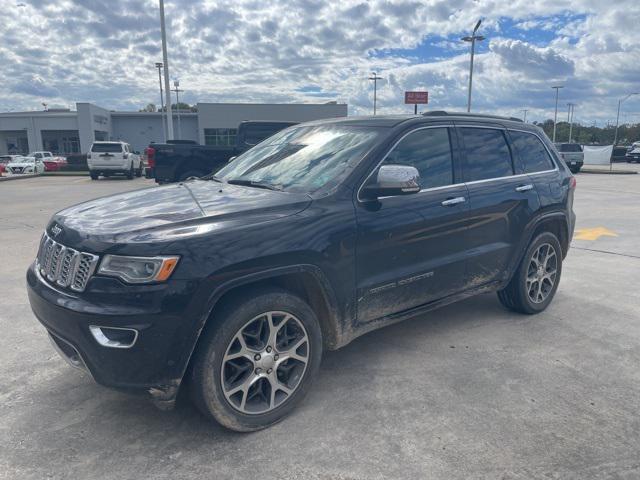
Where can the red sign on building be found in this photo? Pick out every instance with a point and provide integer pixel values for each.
(414, 98)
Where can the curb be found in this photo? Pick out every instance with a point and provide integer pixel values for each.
(609, 172)
(65, 174)
(17, 177)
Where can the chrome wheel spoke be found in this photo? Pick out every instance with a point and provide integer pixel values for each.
(265, 362)
(541, 273)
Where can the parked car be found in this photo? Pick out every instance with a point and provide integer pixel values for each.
(619, 153)
(633, 155)
(572, 154)
(5, 159)
(23, 165)
(183, 160)
(238, 281)
(113, 158)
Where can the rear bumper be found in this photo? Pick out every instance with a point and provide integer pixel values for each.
(154, 363)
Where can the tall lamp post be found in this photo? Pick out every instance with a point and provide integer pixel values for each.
(473, 39)
(615, 138)
(555, 116)
(164, 130)
(165, 59)
(570, 119)
(374, 77)
(176, 84)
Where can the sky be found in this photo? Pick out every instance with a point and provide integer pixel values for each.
(314, 51)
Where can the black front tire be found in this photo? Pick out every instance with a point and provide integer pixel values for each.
(206, 380)
(94, 175)
(139, 171)
(515, 296)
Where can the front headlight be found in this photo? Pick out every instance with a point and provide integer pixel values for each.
(138, 269)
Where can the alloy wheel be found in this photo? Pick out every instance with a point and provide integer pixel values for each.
(265, 362)
(541, 273)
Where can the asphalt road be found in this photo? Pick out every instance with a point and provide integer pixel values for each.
(469, 391)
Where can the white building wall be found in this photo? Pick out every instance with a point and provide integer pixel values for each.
(141, 129)
(229, 115)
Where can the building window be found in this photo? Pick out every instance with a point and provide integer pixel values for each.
(222, 137)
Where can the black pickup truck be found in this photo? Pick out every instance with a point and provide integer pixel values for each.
(184, 160)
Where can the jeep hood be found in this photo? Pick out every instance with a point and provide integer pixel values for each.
(172, 211)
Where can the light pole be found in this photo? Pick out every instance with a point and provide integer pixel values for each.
(176, 83)
(473, 38)
(524, 111)
(555, 116)
(165, 59)
(164, 131)
(615, 138)
(374, 76)
(570, 119)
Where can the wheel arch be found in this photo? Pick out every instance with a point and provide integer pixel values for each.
(305, 280)
(554, 222)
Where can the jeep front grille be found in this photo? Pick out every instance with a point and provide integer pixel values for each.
(65, 266)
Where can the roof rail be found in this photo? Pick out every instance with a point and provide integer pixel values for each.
(444, 113)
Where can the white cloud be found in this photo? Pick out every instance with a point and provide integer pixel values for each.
(250, 50)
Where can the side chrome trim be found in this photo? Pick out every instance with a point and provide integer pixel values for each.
(493, 127)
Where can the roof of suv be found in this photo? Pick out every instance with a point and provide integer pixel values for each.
(394, 120)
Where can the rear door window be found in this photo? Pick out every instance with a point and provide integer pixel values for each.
(106, 147)
(532, 152)
(486, 154)
(429, 151)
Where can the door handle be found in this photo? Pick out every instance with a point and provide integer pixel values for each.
(450, 202)
(524, 188)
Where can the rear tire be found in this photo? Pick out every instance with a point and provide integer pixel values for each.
(536, 280)
(130, 173)
(575, 169)
(94, 175)
(282, 344)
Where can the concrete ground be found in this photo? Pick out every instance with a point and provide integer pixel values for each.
(469, 391)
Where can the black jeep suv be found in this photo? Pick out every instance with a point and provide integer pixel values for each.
(234, 284)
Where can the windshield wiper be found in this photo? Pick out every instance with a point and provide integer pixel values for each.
(212, 177)
(254, 183)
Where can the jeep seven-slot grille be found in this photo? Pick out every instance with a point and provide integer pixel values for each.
(65, 266)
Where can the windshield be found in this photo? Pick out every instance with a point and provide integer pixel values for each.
(302, 159)
(106, 147)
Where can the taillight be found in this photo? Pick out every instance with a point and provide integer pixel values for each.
(151, 159)
(573, 183)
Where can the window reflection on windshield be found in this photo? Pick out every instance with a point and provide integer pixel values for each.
(303, 158)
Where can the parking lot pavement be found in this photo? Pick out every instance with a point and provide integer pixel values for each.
(468, 391)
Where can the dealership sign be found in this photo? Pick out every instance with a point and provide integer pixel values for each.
(414, 98)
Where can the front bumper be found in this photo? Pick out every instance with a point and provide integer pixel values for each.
(167, 331)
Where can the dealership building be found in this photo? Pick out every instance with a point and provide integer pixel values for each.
(66, 131)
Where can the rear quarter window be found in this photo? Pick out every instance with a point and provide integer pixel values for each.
(532, 152)
(106, 147)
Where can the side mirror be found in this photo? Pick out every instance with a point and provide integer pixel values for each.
(393, 180)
